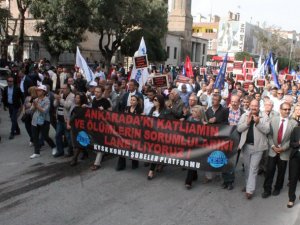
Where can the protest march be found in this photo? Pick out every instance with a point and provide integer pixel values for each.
(197, 118)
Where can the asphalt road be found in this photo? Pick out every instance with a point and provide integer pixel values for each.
(48, 191)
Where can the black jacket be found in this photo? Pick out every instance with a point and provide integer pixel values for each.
(294, 141)
(18, 97)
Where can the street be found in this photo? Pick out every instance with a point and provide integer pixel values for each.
(46, 191)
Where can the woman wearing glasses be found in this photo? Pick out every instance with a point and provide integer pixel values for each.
(158, 110)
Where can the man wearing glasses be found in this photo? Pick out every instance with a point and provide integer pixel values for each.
(13, 100)
(281, 128)
(279, 100)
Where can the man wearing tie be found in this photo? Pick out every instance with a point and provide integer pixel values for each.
(279, 152)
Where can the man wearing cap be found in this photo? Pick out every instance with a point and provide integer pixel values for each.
(13, 99)
(40, 122)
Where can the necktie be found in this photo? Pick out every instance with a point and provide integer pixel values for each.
(280, 132)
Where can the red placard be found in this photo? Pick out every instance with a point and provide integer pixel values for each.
(160, 81)
(249, 65)
(203, 71)
(141, 62)
(260, 83)
(239, 77)
(289, 77)
(238, 65)
(246, 85)
(249, 77)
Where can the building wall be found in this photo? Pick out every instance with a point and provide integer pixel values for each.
(173, 48)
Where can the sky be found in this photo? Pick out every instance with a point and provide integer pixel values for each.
(283, 14)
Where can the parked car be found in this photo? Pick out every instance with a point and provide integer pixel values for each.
(4, 74)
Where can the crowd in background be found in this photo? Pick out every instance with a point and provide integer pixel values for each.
(267, 119)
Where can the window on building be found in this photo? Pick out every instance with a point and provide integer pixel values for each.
(209, 31)
(175, 53)
(168, 51)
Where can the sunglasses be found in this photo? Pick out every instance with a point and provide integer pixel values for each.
(286, 109)
(155, 99)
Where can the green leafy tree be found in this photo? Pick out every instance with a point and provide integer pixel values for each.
(62, 24)
(116, 20)
(155, 50)
(240, 56)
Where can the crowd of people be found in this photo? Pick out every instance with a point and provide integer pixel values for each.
(266, 118)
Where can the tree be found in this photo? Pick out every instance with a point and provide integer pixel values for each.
(62, 24)
(116, 20)
(155, 50)
(4, 36)
(240, 56)
(22, 7)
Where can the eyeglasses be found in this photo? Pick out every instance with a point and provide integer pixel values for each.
(280, 93)
(10, 81)
(192, 99)
(286, 109)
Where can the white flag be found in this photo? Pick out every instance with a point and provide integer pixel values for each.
(81, 63)
(142, 49)
(259, 73)
(140, 75)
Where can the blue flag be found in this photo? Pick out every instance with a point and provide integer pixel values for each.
(270, 63)
(219, 83)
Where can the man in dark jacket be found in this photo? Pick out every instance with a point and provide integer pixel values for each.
(13, 100)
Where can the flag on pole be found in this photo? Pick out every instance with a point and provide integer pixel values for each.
(274, 75)
(81, 63)
(219, 83)
(140, 75)
(188, 67)
(183, 71)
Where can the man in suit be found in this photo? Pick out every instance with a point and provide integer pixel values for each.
(132, 90)
(13, 100)
(279, 152)
(254, 127)
(25, 83)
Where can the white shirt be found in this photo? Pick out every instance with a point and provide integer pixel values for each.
(147, 106)
(277, 103)
(129, 97)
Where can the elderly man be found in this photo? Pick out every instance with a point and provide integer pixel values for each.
(279, 152)
(177, 104)
(254, 127)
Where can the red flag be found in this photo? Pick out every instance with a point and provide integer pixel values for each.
(188, 67)
(244, 68)
(286, 70)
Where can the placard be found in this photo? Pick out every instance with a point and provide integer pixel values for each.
(160, 81)
(246, 84)
(249, 77)
(239, 77)
(238, 65)
(289, 77)
(260, 83)
(249, 65)
(141, 62)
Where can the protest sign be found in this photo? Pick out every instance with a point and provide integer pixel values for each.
(160, 81)
(156, 140)
(141, 62)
